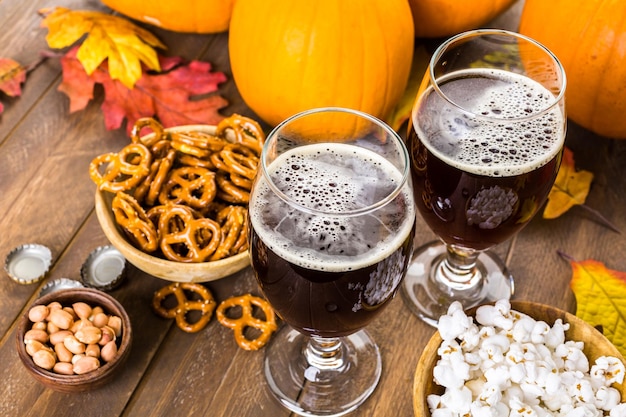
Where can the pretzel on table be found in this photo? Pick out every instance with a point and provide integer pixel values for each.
(246, 319)
(184, 306)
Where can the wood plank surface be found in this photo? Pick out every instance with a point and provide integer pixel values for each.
(47, 197)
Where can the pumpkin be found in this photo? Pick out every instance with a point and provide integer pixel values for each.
(288, 56)
(589, 38)
(191, 16)
(439, 18)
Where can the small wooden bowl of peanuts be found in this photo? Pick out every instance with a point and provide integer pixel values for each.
(74, 340)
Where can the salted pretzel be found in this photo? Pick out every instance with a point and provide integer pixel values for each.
(122, 170)
(133, 219)
(246, 303)
(246, 131)
(228, 191)
(148, 190)
(193, 186)
(155, 126)
(232, 220)
(183, 238)
(184, 306)
(236, 159)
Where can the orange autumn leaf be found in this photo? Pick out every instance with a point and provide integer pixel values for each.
(12, 75)
(601, 299)
(570, 188)
(125, 45)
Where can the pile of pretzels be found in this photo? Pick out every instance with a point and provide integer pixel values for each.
(182, 195)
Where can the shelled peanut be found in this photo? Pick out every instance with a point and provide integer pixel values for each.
(72, 339)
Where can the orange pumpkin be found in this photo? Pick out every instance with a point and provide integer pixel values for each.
(589, 38)
(287, 56)
(439, 18)
(192, 16)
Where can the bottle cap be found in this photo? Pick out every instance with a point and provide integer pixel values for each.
(104, 268)
(28, 263)
(59, 284)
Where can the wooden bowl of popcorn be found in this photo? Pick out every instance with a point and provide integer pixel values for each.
(494, 359)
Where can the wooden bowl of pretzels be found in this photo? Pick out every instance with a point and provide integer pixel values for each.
(174, 201)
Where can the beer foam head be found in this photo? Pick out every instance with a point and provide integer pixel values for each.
(332, 180)
(491, 130)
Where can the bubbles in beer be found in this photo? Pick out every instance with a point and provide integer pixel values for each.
(488, 131)
(330, 180)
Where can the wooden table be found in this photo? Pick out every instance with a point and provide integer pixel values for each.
(47, 197)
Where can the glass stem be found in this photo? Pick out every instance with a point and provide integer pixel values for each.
(457, 272)
(325, 353)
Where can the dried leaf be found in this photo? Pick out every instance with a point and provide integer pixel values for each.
(570, 188)
(12, 75)
(402, 111)
(124, 44)
(601, 299)
(168, 95)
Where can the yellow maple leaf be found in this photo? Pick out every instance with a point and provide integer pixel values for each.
(601, 299)
(570, 188)
(124, 44)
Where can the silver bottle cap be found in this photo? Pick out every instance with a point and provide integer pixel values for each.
(104, 268)
(28, 263)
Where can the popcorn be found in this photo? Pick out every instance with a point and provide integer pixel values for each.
(510, 364)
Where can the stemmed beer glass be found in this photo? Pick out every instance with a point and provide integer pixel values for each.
(485, 138)
(332, 221)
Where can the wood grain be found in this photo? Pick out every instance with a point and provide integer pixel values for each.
(47, 197)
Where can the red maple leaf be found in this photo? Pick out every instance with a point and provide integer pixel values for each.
(171, 95)
(12, 75)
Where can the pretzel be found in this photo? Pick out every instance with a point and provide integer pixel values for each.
(236, 159)
(205, 305)
(247, 132)
(232, 220)
(228, 191)
(157, 128)
(123, 170)
(184, 238)
(192, 186)
(133, 219)
(198, 140)
(247, 319)
(148, 191)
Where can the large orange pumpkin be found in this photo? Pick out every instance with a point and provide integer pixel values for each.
(589, 38)
(287, 56)
(192, 16)
(439, 18)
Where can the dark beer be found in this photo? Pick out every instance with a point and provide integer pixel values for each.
(479, 178)
(330, 274)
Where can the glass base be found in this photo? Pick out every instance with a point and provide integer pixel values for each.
(326, 388)
(428, 298)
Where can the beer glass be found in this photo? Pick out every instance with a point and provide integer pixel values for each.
(331, 229)
(485, 139)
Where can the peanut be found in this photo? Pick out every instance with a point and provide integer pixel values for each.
(38, 313)
(93, 350)
(44, 359)
(108, 351)
(61, 318)
(83, 310)
(63, 353)
(33, 346)
(37, 334)
(86, 364)
(73, 345)
(57, 337)
(115, 322)
(88, 335)
(63, 368)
